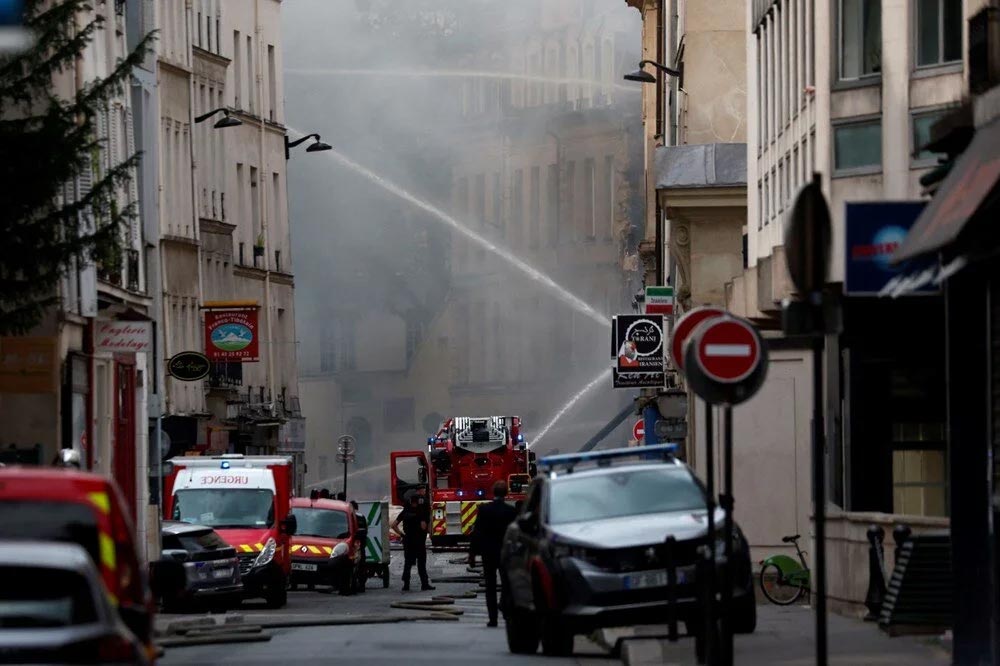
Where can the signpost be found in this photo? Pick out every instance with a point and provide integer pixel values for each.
(726, 361)
(807, 242)
(345, 454)
(638, 430)
(638, 347)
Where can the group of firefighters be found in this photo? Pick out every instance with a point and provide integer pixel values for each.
(486, 541)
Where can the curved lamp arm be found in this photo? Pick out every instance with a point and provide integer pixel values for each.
(662, 68)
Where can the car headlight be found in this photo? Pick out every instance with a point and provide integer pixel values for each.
(720, 543)
(338, 550)
(267, 554)
(576, 552)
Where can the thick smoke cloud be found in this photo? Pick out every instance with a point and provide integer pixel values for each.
(407, 89)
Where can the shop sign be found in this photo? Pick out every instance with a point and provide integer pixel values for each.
(231, 335)
(29, 364)
(123, 336)
(189, 366)
(874, 230)
(634, 380)
(641, 341)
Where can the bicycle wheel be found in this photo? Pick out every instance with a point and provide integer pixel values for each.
(777, 588)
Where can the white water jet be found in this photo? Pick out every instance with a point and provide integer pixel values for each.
(334, 480)
(603, 377)
(538, 276)
(458, 74)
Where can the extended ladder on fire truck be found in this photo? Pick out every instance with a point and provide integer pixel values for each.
(462, 462)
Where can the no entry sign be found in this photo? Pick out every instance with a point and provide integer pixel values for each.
(683, 329)
(728, 350)
(639, 430)
(726, 360)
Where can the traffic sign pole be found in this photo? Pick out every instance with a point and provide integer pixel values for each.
(711, 627)
(726, 499)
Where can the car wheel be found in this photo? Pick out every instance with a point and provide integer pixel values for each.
(277, 595)
(745, 613)
(522, 632)
(556, 640)
(362, 579)
(345, 585)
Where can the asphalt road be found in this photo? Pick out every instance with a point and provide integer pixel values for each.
(422, 642)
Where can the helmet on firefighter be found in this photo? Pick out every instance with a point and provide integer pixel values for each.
(67, 458)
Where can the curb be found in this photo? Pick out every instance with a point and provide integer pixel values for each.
(213, 639)
(635, 651)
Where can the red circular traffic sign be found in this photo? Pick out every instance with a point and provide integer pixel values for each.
(683, 329)
(639, 430)
(728, 350)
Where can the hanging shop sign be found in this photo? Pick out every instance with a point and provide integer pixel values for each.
(641, 343)
(123, 336)
(660, 300)
(189, 366)
(874, 230)
(231, 334)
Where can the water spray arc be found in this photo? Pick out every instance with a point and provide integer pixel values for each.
(460, 74)
(538, 276)
(603, 377)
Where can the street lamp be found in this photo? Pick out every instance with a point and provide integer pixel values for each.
(314, 147)
(226, 121)
(643, 76)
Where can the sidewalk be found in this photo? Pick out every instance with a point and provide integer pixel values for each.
(784, 637)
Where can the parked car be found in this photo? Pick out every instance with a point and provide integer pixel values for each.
(211, 567)
(54, 609)
(49, 504)
(328, 546)
(587, 550)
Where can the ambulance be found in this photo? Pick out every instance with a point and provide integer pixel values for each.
(246, 500)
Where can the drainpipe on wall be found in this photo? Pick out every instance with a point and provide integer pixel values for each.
(262, 195)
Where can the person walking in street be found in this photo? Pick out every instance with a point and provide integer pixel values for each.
(414, 536)
(487, 540)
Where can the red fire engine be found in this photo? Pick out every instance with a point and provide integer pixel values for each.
(464, 459)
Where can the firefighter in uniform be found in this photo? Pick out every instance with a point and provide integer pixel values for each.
(487, 540)
(414, 535)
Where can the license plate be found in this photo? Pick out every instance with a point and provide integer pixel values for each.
(302, 566)
(644, 579)
(223, 573)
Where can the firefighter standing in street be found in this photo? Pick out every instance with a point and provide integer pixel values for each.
(487, 540)
(414, 535)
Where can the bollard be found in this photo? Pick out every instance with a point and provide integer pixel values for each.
(701, 625)
(876, 577)
(900, 534)
(669, 547)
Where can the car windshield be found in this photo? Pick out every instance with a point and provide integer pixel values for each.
(39, 597)
(623, 493)
(67, 522)
(229, 507)
(321, 523)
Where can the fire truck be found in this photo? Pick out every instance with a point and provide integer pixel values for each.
(464, 458)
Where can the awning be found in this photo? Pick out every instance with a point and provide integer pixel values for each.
(971, 181)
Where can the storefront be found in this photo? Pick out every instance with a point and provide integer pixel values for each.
(959, 230)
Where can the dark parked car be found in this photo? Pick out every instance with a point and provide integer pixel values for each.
(212, 571)
(54, 609)
(587, 550)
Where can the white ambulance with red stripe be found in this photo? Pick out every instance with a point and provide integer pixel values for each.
(245, 499)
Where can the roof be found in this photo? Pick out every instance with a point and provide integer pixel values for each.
(55, 474)
(701, 165)
(177, 527)
(45, 554)
(560, 475)
(326, 504)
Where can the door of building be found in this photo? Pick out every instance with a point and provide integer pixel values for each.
(124, 451)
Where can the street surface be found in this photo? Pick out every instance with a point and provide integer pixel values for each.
(422, 642)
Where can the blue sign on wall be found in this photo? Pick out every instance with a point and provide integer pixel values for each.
(874, 229)
(11, 12)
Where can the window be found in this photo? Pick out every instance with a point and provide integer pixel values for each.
(517, 209)
(939, 32)
(497, 201)
(552, 204)
(922, 123)
(858, 146)
(536, 206)
(860, 38)
(644, 491)
(397, 415)
(272, 84)
(481, 199)
(609, 169)
(237, 70)
(251, 94)
(589, 207)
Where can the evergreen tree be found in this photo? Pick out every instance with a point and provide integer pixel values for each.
(48, 145)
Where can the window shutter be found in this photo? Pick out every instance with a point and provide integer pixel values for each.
(133, 187)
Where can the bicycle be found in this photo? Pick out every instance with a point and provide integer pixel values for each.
(782, 579)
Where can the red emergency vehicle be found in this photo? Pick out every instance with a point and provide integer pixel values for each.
(45, 504)
(464, 459)
(246, 500)
(329, 545)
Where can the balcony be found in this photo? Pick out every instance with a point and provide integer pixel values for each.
(226, 376)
